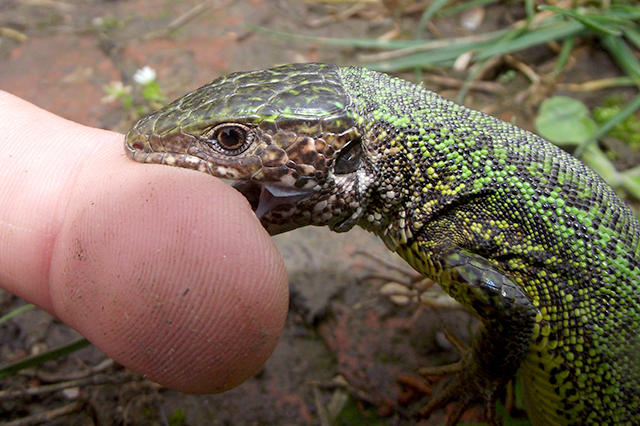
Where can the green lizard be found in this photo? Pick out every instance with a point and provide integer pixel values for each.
(511, 226)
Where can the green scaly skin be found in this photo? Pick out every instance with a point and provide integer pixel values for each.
(511, 226)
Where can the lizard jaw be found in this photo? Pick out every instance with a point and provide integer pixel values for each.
(265, 199)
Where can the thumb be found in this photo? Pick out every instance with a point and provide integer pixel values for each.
(166, 270)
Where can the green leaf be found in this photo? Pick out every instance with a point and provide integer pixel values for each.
(564, 121)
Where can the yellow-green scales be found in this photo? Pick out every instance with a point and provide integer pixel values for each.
(527, 236)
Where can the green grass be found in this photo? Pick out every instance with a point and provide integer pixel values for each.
(36, 360)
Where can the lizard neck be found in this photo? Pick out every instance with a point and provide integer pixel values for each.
(424, 154)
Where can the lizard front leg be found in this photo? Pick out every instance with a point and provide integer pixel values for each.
(508, 319)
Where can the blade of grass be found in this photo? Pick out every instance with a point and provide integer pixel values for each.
(486, 49)
(444, 52)
(530, 10)
(39, 359)
(584, 20)
(633, 36)
(617, 17)
(16, 312)
(540, 35)
(444, 56)
(428, 14)
(633, 172)
(433, 45)
(631, 185)
(476, 69)
(598, 161)
(465, 5)
(563, 56)
(627, 12)
(603, 83)
(346, 42)
(623, 55)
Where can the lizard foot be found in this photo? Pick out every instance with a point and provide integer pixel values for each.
(409, 287)
(469, 386)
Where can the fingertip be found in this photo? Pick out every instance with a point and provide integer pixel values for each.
(166, 270)
(170, 273)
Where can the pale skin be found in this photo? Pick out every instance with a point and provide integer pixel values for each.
(166, 270)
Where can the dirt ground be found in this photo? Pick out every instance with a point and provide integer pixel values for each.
(348, 355)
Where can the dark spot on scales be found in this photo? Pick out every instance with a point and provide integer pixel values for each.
(274, 156)
(303, 151)
(272, 174)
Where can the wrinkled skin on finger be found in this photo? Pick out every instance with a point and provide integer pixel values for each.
(166, 270)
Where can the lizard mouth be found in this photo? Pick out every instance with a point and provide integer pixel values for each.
(265, 198)
(251, 192)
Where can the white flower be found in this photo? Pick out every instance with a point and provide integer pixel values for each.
(145, 76)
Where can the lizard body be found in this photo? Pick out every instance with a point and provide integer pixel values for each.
(524, 234)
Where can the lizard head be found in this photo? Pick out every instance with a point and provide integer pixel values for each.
(286, 138)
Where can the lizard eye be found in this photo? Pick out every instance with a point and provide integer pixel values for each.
(231, 138)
